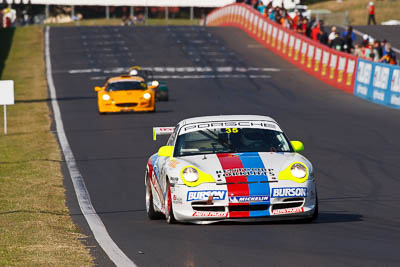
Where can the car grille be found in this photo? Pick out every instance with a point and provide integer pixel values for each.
(122, 105)
(289, 203)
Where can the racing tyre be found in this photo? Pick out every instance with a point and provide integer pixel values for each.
(169, 212)
(151, 213)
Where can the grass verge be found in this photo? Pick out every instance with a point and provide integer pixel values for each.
(384, 9)
(35, 226)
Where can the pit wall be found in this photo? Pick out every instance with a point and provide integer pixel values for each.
(341, 70)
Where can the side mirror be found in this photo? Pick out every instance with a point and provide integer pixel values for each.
(98, 88)
(166, 151)
(153, 84)
(297, 146)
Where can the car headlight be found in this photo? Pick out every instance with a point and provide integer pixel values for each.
(298, 170)
(190, 174)
(106, 97)
(147, 96)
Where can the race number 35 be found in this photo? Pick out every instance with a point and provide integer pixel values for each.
(231, 130)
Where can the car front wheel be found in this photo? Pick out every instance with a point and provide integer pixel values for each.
(151, 213)
(169, 212)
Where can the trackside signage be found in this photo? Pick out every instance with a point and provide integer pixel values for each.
(6, 92)
(377, 82)
(6, 98)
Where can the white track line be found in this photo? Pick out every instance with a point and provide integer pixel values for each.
(182, 77)
(96, 225)
(226, 69)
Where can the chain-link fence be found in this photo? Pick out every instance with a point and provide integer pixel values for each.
(336, 18)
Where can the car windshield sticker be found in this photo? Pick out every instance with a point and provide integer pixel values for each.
(229, 125)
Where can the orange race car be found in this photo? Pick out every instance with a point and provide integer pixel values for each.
(126, 93)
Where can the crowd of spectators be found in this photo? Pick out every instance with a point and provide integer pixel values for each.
(374, 50)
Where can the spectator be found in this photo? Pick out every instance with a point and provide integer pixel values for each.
(383, 44)
(365, 42)
(374, 54)
(296, 19)
(315, 32)
(124, 21)
(371, 13)
(322, 36)
(390, 56)
(378, 49)
(303, 26)
(349, 37)
(331, 36)
(357, 51)
(261, 7)
(338, 43)
(310, 26)
(271, 15)
(278, 15)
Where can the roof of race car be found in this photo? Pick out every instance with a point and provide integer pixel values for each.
(227, 118)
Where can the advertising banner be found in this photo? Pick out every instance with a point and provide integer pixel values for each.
(378, 82)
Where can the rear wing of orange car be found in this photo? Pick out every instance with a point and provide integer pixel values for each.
(162, 131)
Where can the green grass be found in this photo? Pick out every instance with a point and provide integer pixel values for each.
(384, 9)
(35, 226)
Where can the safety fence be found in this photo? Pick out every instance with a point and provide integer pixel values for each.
(331, 66)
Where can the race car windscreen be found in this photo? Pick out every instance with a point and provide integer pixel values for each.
(231, 140)
(126, 85)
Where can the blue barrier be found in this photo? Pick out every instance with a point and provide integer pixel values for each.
(378, 82)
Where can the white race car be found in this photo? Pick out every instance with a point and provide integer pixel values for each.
(231, 167)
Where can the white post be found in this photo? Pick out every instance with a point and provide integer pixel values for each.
(5, 119)
(166, 13)
(191, 13)
(107, 12)
(47, 11)
(146, 14)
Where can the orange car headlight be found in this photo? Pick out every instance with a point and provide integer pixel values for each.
(147, 96)
(106, 97)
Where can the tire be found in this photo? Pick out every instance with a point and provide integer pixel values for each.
(169, 211)
(151, 213)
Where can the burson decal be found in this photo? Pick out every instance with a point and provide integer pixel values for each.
(289, 192)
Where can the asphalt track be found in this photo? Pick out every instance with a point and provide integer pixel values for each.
(353, 145)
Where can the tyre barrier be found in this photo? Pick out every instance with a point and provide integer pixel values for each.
(329, 65)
